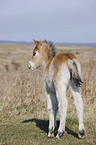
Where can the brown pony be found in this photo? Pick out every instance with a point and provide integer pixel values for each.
(62, 71)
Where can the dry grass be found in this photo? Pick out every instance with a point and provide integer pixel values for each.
(22, 95)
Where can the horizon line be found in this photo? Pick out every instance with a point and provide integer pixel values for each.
(92, 45)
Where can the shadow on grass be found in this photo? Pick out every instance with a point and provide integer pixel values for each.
(43, 125)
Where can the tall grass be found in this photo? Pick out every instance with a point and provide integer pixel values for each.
(21, 90)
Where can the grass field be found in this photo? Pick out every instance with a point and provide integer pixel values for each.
(23, 111)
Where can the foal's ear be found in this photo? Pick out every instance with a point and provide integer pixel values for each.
(36, 42)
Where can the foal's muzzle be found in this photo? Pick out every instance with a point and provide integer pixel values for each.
(31, 65)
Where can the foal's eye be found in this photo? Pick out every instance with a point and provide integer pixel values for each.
(34, 53)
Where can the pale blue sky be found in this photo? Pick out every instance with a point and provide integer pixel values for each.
(56, 20)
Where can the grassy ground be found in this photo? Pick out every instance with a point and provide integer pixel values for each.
(23, 113)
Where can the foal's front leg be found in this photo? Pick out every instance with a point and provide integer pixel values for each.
(52, 108)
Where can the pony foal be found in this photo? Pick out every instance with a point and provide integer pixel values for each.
(62, 71)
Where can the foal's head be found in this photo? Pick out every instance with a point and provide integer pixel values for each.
(42, 53)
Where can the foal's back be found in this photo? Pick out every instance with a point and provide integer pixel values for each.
(63, 58)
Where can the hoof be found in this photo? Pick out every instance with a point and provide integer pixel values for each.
(81, 134)
(59, 135)
(50, 134)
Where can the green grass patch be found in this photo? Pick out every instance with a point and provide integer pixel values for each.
(34, 131)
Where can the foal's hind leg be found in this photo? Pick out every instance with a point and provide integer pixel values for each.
(76, 93)
(62, 105)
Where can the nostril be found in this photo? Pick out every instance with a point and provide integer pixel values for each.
(29, 66)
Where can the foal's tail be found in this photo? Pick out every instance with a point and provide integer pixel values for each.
(75, 72)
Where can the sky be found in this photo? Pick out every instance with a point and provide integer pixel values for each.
(71, 21)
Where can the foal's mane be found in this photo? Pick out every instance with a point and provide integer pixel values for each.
(52, 47)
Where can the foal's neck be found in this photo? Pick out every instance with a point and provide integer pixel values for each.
(48, 65)
(47, 59)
